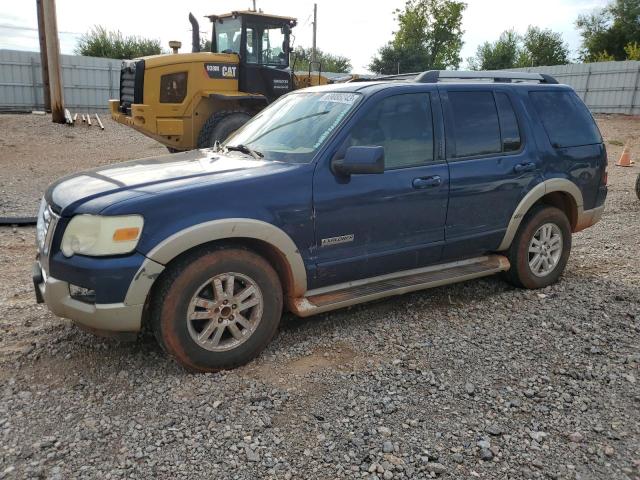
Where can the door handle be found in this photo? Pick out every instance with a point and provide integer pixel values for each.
(524, 167)
(426, 182)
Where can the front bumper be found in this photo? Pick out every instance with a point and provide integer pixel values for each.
(111, 317)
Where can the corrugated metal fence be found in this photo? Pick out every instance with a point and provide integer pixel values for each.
(606, 87)
(89, 82)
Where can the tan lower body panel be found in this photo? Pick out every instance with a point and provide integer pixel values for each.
(353, 293)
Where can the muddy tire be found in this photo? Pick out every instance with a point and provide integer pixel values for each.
(540, 250)
(217, 308)
(220, 126)
(173, 150)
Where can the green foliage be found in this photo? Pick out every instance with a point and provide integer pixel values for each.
(429, 37)
(501, 54)
(537, 47)
(99, 42)
(205, 45)
(330, 62)
(633, 51)
(606, 32)
(543, 48)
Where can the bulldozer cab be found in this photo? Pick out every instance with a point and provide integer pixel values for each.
(262, 43)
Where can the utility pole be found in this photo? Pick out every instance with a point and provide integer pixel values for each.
(254, 6)
(53, 54)
(46, 93)
(315, 29)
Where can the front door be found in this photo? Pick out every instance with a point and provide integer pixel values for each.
(493, 163)
(374, 224)
(264, 64)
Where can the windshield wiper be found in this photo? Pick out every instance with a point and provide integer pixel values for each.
(244, 149)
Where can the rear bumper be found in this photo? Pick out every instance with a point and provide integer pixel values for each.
(588, 218)
(111, 317)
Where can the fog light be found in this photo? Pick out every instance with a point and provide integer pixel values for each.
(82, 294)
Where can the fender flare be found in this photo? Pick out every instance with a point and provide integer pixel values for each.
(228, 228)
(535, 194)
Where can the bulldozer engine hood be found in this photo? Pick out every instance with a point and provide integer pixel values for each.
(92, 190)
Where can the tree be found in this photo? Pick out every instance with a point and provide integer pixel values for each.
(99, 42)
(537, 47)
(329, 62)
(606, 32)
(429, 37)
(543, 48)
(501, 54)
(633, 51)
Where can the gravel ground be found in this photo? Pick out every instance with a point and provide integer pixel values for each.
(475, 380)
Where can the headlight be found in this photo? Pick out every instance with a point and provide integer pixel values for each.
(97, 236)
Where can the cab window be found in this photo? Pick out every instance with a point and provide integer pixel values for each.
(265, 45)
(228, 34)
(403, 125)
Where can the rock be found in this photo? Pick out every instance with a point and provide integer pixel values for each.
(576, 437)
(435, 467)
(457, 458)
(469, 388)
(538, 436)
(387, 447)
(484, 444)
(493, 429)
(252, 455)
(609, 451)
(486, 454)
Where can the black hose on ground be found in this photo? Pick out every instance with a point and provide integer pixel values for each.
(18, 221)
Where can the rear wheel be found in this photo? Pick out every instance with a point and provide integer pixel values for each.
(220, 126)
(540, 250)
(217, 309)
(638, 187)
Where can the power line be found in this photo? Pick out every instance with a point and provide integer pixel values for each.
(32, 29)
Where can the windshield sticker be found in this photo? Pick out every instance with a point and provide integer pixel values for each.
(346, 98)
(328, 131)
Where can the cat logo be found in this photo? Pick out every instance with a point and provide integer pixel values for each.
(221, 70)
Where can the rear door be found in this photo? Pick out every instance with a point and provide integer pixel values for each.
(374, 224)
(492, 165)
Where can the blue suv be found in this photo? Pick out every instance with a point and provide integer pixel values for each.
(330, 197)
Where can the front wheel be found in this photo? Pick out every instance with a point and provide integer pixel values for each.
(220, 126)
(217, 309)
(638, 187)
(540, 250)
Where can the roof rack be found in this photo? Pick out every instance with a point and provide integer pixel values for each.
(435, 76)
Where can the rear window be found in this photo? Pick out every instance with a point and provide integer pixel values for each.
(566, 119)
(475, 118)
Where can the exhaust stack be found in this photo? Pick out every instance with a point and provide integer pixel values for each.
(195, 33)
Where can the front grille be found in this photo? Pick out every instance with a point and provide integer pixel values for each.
(131, 82)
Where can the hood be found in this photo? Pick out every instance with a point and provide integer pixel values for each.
(140, 177)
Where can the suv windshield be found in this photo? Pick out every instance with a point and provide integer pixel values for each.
(293, 128)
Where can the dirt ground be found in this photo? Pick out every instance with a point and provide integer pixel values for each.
(475, 380)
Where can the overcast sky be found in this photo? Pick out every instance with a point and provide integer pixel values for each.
(354, 28)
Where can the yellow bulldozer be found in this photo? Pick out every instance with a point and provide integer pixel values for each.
(193, 100)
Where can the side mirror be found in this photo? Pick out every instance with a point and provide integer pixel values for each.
(360, 160)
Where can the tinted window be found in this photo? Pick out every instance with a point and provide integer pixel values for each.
(475, 122)
(403, 125)
(565, 118)
(508, 124)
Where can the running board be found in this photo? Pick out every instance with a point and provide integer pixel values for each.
(360, 291)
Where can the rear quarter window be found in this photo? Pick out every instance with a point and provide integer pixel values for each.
(565, 118)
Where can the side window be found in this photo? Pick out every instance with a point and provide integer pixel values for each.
(475, 122)
(508, 124)
(565, 118)
(403, 125)
(173, 87)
